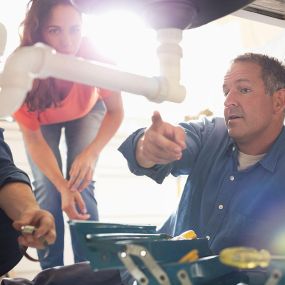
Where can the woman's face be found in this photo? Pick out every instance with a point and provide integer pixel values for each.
(62, 29)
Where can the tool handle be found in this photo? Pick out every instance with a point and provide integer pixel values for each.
(245, 257)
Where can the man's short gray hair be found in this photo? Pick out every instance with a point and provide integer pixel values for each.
(272, 70)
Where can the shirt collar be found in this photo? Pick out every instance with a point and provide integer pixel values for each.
(269, 161)
(231, 147)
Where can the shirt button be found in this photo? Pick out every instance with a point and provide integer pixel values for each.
(234, 148)
(232, 178)
(221, 207)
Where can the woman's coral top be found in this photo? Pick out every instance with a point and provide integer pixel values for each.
(76, 104)
(79, 101)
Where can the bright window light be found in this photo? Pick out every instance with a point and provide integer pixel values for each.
(124, 37)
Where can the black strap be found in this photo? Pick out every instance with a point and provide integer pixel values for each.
(23, 250)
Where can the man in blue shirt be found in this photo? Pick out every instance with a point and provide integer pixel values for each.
(235, 190)
(18, 208)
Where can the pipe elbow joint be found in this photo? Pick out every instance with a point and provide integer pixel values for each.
(169, 90)
(20, 69)
(25, 64)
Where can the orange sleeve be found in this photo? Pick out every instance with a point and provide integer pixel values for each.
(26, 118)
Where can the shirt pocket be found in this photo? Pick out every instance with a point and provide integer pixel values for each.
(259, 232)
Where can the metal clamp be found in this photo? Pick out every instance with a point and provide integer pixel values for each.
(144, 255)
(183, 277)
(274, 277)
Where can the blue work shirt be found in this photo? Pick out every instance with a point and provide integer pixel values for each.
(230, 207)
(9, 173)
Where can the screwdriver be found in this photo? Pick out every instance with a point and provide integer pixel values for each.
(247, 257)
(190, 234)
(192, 255)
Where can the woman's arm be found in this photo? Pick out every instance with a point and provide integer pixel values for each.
(82, 168)
(44, 158)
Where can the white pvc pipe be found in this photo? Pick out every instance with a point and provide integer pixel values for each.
(3, 39)
(17, 78)
(97, 74)
(40, 61)
(169, 53)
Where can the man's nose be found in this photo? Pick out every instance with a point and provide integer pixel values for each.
(230, 99)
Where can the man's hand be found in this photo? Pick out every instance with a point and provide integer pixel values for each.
(161, 143)
(18, 202)
(44, 225)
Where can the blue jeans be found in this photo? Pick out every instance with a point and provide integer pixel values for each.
(78, 134)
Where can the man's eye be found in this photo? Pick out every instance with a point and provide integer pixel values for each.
(53, 31)
(244, 90)
(226, 92)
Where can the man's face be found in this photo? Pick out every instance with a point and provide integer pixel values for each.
(248, 110)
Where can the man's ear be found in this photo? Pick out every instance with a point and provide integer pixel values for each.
(279, 100)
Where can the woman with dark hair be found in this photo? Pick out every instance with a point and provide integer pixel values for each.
(88, 117)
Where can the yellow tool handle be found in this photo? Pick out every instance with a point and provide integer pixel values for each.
(189, 235)
(192, 255)
(245, 257)
(186, 235)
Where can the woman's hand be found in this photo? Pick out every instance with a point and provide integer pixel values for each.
(82, 170)
(73, 205)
